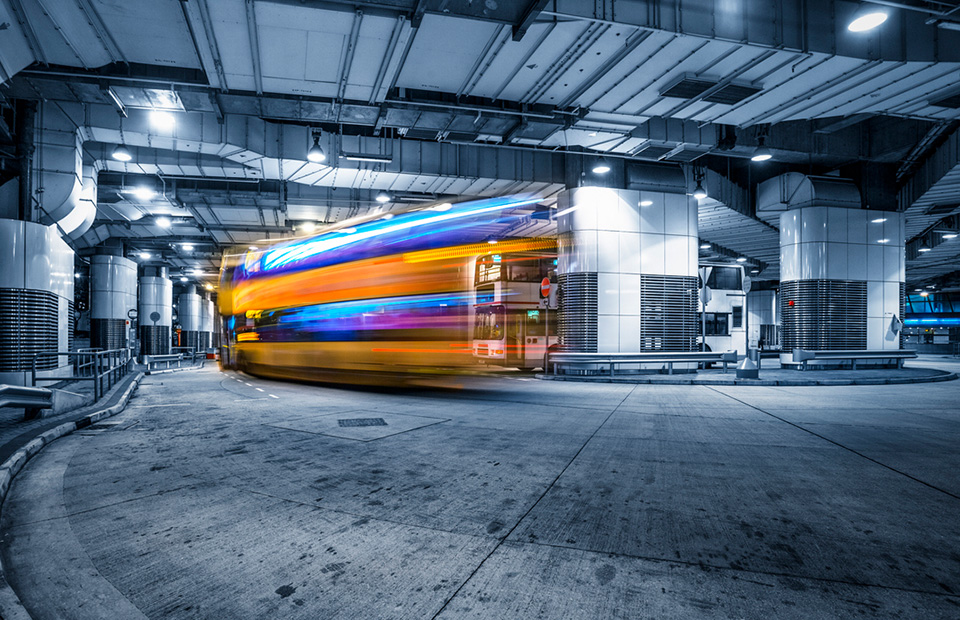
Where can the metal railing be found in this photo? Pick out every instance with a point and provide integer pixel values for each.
(612, 360)
(802, 356)
(32, 399)
(153, 362)
(103, 368)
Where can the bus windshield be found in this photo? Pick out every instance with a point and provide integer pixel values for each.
(489, 323)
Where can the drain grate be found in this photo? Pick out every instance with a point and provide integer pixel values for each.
(362, 422)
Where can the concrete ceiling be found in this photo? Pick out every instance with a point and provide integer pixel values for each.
(462, 99)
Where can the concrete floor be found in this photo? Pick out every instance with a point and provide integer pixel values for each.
(226, 496)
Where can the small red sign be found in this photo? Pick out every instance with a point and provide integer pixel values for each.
(545, 287)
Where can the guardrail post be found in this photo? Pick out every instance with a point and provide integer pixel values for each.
(33, 370)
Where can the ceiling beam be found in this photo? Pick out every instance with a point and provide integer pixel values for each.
(530, 14)
(254, 44)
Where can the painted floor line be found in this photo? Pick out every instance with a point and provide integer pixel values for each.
(164, 405)
(259, 389)
(272, 396)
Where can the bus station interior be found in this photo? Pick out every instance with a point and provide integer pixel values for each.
(462, 309)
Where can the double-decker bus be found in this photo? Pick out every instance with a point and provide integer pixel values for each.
(514, 322)
(723, 317)
(384, 300)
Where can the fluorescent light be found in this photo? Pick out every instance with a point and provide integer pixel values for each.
(923, 248)
(867, 18)
(380, 159)
(164, 221)
(383, 197)
(883, 241)
(308, 226)
(949, 235)
(145, 255)
(646, 203)
(188, 247)
(163, 120)
(741, 260)
(122, 153)
(699, 193)
(601, 169)
(879, 220)
(704, 246)
(754, 271)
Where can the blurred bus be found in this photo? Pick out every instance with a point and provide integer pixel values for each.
(386, 300)
(514, 322)
(722, 318)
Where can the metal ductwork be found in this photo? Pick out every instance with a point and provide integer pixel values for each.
(64, 190)
(655, 178)
(794, 190)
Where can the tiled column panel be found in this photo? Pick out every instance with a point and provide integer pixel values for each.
(831, 243)
(619, 234)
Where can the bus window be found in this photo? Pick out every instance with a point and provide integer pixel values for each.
(737, 316)
(488, 271)
(724, 278)
(717, 324)
(489, 323)
(535, 326)
(524, 271)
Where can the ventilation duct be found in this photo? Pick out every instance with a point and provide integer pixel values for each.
(794, 190)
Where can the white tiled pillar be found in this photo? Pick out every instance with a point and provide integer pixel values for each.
(620, 234)
(847, 245)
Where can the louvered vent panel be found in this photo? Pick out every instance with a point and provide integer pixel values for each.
(189, 339)
(29, 324)
(668, 313)
(71, 326)
(577, 313)
(108, 333)
(826, 315)
(903, 297)
(155, 339)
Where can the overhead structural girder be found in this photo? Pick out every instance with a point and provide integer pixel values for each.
(931, 193)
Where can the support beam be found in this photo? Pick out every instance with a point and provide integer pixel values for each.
(529, 16)
(254, 44)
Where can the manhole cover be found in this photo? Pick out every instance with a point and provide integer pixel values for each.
(362, 422)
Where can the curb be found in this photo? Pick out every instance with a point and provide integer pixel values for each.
(10, 606)
(945, 376)
(166, 370)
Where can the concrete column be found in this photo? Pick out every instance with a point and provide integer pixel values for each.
(155, 315)
(113, 294)
(627, 269)
(36, 301)
(189, 317)
(842, 275)
(206, 322)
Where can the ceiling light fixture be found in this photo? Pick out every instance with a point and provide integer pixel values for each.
(646, 203)
(145, 255)
(924, 294)
(762, 153)
(143, 192)
(308, 226)
(122, 153)
(187, 247)
(704, 246)
(446, 206)
(741, 260)
(383, 197)
(315, 153)
(491, 241)
(754, 271)
(387, 216)
(950, 235)
(879, 220)
(163, 120)
(601, 168)
(923, 247)
(883, 241)
(698, 192)
(867, 17)
(183, 278)
(164, 222)
(253, 248)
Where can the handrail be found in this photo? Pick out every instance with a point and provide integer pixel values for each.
(32, 399)
(614, 359)
(104, 367)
